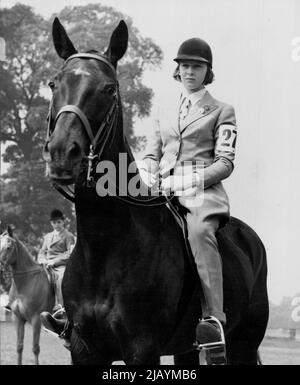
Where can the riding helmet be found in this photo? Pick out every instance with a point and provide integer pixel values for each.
(56, 214)
(195, 49)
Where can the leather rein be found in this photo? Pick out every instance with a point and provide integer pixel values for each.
(107, 125)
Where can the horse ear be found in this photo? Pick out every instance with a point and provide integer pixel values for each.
(118, 43)
(62, 43)
(10, 231)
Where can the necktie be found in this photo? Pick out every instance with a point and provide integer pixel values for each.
(184, 109)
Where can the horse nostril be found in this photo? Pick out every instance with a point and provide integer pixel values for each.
(74, 151)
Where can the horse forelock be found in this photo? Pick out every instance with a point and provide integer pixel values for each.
(96, 63)
(81, 78)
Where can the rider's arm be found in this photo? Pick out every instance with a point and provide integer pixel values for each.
(225, 139)
(153, 151)
(149, 165)
(219, 170)
(61, 259)
(43, 252)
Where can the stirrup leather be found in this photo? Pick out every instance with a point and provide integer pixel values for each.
(212, 345)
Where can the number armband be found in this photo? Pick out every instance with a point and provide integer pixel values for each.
(226, 139)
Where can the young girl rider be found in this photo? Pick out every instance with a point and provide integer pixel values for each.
(204, 133)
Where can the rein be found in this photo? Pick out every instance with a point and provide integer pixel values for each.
(109, 122)
(27, 272)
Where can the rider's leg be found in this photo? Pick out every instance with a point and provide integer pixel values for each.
(11, 296)
(208, 260)
(203, 223)
(57, 322)
(59, 274)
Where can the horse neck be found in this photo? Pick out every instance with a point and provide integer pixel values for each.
(89, 203)
(107, 216)
(119, 142)
(24, 261)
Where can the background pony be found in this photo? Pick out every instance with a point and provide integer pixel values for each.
(34, 293)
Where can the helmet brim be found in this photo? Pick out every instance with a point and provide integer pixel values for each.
(180, 58)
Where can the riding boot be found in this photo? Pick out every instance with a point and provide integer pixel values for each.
(59, 326)
(210, 337)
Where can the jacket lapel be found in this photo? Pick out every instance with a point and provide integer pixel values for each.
(54, 241)
(202, 108)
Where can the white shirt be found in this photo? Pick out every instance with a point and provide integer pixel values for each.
(56, 235)
(195, 96)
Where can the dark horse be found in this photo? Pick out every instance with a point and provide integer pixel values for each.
(129, 289)
(34, 294)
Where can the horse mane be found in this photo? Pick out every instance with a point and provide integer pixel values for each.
(23, 249)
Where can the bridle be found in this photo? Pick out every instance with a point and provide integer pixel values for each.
(107, 125)
(108, 122)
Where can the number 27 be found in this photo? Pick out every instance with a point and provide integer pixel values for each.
(230, 137)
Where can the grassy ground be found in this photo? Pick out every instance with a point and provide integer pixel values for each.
(274, 351)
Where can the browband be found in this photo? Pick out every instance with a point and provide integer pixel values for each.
(92, 56)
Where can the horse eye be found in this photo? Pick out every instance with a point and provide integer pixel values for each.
(111, 90)
(51, 84)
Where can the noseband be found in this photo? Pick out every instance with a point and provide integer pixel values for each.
(108, 122)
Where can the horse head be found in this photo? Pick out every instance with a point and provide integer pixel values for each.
(7, 248)
(85, 100)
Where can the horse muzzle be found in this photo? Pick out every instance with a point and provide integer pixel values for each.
(61, 175)
(60, 168)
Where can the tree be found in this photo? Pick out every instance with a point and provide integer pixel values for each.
(22, 108)
(32, 61)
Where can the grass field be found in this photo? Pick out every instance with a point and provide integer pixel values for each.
(274, 351)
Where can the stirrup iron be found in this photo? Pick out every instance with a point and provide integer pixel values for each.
(212, 345)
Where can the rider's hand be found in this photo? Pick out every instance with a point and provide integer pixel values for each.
(50, 264)
(186, 184)
(148, 178)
